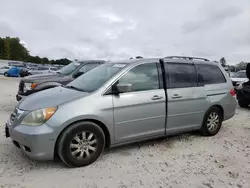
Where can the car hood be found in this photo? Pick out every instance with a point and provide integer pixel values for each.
(239, 79)
(50, 98)
(45, 78)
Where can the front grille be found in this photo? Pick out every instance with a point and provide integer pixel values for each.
(21, 87)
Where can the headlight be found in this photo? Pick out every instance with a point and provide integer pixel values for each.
(29, 86)
(38, 117)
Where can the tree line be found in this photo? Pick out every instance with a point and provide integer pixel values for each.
(13, 49)
(233, 68)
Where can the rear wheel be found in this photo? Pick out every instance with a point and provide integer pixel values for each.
(81, 144)
(243, 104)
(212, 122)
(5, 74)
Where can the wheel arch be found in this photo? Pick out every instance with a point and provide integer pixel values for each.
(217, 106)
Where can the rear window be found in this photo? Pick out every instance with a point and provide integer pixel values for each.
(209, 74)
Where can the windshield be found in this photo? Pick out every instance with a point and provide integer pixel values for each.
(239, 75)
(69, 68)
(96, 77)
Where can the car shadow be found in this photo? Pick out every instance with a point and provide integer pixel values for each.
(167, 142)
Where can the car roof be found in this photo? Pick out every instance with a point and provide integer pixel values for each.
(134, 61)
(170, 60)
(89, 61)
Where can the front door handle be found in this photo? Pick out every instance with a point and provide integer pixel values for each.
(156, 97)
(176, 96)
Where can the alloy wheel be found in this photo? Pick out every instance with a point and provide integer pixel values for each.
(83, 145)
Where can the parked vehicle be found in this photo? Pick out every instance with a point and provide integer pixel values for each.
(122, 102)
(4, 69)
(24, 72)
(17, 64)
(243, 96)
(13, 72)
(243, 90)
(40, 70)
(239, 78)
(34, 83)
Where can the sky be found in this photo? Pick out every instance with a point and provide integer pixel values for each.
(119, 29)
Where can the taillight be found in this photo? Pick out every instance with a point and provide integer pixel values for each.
(232, 92)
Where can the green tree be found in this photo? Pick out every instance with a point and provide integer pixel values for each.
(1, 48)
(35, 59)
(45, 60)
(18, 51)
(64, 61)
(223, 62)
(6, 49)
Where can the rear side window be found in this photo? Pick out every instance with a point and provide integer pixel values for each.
(181, 75)
(209, 74)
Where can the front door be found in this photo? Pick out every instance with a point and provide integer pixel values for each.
(186, 100)
(140, 113)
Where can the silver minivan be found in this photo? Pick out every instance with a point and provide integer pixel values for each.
(122, 102)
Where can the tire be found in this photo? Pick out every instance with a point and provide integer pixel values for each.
(208, 128)
(243, 104)
(5, 74)
(75, 151)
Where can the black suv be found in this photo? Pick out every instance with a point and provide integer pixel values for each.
(32, 84)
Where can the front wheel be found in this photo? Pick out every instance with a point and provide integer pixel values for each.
(243, 104)
(5, 74)
(81, 144)
(212, 122)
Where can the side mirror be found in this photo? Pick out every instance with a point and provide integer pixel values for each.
(78, 74)
(123, 87)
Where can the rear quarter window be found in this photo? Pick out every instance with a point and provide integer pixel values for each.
(209, 74)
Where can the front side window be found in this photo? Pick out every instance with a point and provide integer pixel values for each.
(209, 74)
(181, 75)
(142, 77)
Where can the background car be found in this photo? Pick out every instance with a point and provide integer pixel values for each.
(39, 82)
(239, 78)
(13, 72)
(4, 69)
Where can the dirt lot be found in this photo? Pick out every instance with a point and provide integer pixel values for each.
(182, 161)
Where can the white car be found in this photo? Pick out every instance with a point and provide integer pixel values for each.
(4, 69)
(239, 78)
(43, 70)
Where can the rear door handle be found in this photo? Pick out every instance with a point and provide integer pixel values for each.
(176, 96)
(156, 97)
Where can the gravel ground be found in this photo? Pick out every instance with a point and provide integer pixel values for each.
(187, 160)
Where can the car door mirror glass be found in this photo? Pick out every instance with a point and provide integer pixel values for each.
(123, 87)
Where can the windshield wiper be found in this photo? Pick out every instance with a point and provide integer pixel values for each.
(73, 87)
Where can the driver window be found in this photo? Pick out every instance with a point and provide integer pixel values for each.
(142, 77)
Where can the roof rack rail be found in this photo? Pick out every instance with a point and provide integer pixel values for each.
(185, 57)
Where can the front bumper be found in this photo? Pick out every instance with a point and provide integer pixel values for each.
(36, 142)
